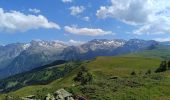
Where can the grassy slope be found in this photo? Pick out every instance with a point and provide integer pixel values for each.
(122, 66)
(152, 87)
(102, 67)
(161, 51)
(39, 76)
(66, 81)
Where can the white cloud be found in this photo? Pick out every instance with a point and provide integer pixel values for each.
(158, 26)
(70, 42)
(86, 31)
(86, 18)
(151, 16)
(74, 42)
(75, 10)
(36, 11)
(129, 11)
(162, 39)
(15, 21)
(67, 1)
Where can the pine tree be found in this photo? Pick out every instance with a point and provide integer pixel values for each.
(163, 67)
(168, 64)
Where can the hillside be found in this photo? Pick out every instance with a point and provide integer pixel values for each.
(160, 51)
(104, 69)
(41, 75)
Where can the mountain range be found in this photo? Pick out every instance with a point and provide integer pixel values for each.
(21, 57)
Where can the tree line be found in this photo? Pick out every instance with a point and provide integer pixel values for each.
(164, 66)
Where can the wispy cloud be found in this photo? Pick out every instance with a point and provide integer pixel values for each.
(86, 18)
(75, 10)
(162, 39)
(75, 42)
(36, 11)
(67, 1)
(70, 42)
(86, 31)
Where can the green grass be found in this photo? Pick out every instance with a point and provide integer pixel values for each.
(66, 81)
(122, 66)
(161, 51)
(139, 87)
(39, 76)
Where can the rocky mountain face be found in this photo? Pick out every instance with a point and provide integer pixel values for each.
(104, 47)
(33, 54)
(134, 45)
(9, 52)
(92, 49)
(20, 57)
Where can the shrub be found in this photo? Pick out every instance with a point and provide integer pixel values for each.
(133, 73)
(83, 76)
(148, 72)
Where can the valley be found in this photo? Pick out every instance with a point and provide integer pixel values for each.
(38, 53)
(126, 71)
(121, 84)
(84, 49)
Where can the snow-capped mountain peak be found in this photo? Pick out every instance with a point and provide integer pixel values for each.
(103, 44)
(48, 44)
(26, 46)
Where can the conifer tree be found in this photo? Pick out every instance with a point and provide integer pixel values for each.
(168, 65)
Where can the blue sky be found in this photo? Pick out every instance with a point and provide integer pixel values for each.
(83, 20)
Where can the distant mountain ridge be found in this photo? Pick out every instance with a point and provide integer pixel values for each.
(9, 52)
(22, 57)
(105, 47)
(33, 54)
